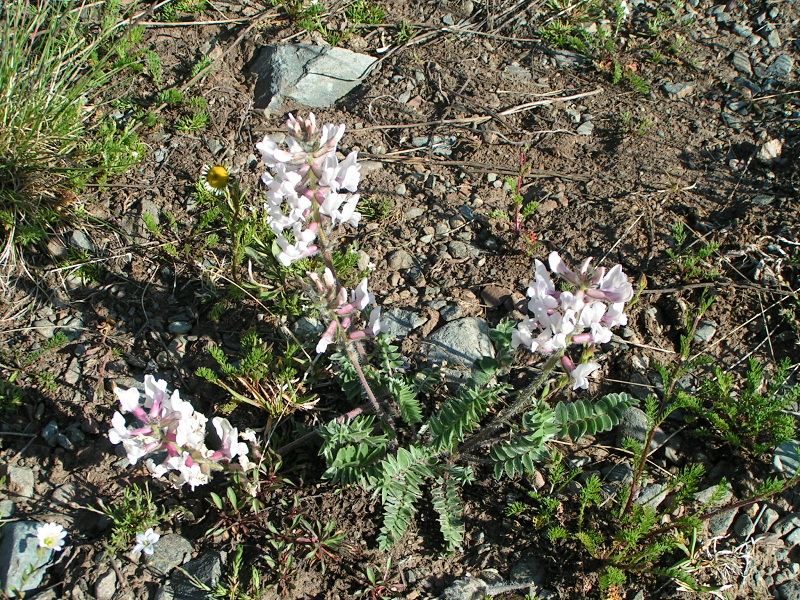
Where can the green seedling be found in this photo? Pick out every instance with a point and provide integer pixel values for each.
(688, 260)
(133, 513)
(193, 123)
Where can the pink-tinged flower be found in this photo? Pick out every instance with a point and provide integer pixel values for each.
(145, 542)
(327, 337)
(229, 435)
(51, 536)
(580, 374)
(301, 248)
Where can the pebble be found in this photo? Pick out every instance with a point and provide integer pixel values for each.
(677, 91)
(466, 588)
(705, 331)
(401, 189)
(179, 327)
(22, 563)
(399, 259)
(73, 373)
(640, 386)
(782, 67)
(79, 240)
(451, 312)
(20, 481)
(495, 295)
(586, 128)
(106, 585)
(529, 570)
(399, 323)
(49, 433)
(458, 249)
(789, 590)
(743, 526)
(741, 62)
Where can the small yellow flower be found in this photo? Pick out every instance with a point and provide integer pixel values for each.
(215, 179)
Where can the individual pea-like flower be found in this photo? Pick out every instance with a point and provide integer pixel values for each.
(145, 542)
(579, 374)
(51, 536)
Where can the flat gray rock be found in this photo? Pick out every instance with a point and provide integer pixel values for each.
(170, 551)
(399, 323)
(460, 342)
(313, 76)
(466, 588)
(22, 566)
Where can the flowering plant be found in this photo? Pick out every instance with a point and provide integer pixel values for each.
(174, 432)
(583, 314)
(309, 193)
(51, 536)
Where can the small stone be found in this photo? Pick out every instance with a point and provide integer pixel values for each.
(789, 590)
(787, 524)
(743, 526)
(450, 312)
(782, 67)
(399, 323)
(640, 386)
(448, 20)
(677, 91)
(79, 240)
(49, 433)
(73, 373)
(7, 509)
(773, 39)
(741, 62)
(529, 570)
(652, 496)
(586, 128)
(705, 331)
(399, 259)
(633, 425)
(458, 249)
(763, 200)
(19, 481)
(460, 342)
(179, 327)
(770, 151)
(401, 189)
(495, 295)
(22, 563)
(621, 473)
(768, 518)
(206, 569)
(787, 457)
(57, 249)
(106, 585)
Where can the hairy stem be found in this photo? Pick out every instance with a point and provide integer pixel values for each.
(521, 403)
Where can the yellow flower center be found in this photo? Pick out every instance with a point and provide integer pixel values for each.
(217, 177)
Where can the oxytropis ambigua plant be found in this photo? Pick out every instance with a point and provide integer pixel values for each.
(309, 192)
(171, 430)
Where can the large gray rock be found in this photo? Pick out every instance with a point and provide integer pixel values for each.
(310, 75)
(170, 551)
(22, 563)
(460, 342)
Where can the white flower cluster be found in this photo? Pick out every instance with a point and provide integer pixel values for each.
(584, 314)
(342, 310)
(173, 429)
(309, 186)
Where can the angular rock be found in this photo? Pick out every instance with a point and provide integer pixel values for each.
(206, 569)
(586, 128)
(22, 565)
(530, 571)
(782, 67)
(741, 62)
(495, 295)
(399, 259)
(106, 585)
(170, 551)
(399, 323)
(676, 91)
(789, 590)
(19, 481)
(770, 151)
(310, 75)
(460, 342)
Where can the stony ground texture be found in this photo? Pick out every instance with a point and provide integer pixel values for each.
(439, 121)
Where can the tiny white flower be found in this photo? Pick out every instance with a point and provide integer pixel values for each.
(145, 542)
(580, 374)
(51, 536)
